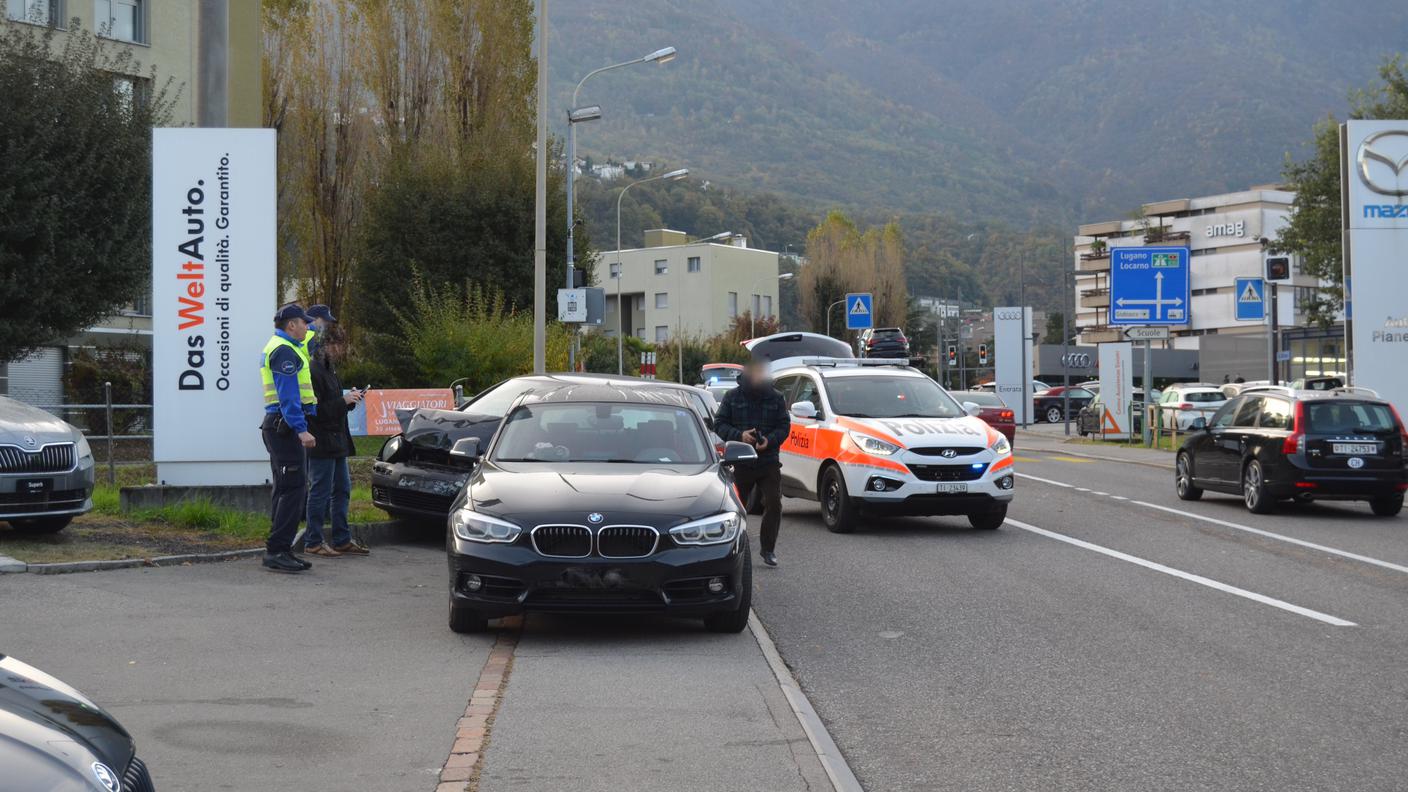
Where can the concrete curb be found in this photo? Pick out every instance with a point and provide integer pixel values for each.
(388, 532)
(843, 779)
(1067, 452)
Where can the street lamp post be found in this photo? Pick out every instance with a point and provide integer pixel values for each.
(841, 301)
(753, 315)
(674, 175)
(576, 115)
(540, 201)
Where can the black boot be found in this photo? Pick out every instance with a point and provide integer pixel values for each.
(770, 558)
(284, 562)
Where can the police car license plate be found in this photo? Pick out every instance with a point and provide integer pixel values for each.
(1355, 449)
(946, 488)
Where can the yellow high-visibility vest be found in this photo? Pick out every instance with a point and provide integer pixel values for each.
(305, 375)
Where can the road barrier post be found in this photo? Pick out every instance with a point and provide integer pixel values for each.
(107, 406)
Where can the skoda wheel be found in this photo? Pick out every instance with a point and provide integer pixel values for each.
(1258, 500)
(1183, 479)
(838, 511)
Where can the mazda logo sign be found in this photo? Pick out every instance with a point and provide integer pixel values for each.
(1382, 160)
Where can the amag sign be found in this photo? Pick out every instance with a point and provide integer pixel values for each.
(1374, 211)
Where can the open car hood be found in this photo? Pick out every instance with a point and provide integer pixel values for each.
(440, 428)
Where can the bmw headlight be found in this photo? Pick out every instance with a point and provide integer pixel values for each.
(475, 527)
(389, 448)
(719, 529)
(85, 451)
(872, 445)
(1000, 446)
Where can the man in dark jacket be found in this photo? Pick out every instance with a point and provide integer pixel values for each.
(329, 479)
(755, 413)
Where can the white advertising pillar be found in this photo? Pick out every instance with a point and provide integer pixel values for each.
(1012, 335)
(1374, 204)
(1116, 389)
(213, 301)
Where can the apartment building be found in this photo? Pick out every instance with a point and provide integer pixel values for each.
(674, 286)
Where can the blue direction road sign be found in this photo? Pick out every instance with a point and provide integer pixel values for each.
(859, 311)
(1149, 286)
(1250, 297)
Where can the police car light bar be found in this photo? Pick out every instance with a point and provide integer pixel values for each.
(835, 361)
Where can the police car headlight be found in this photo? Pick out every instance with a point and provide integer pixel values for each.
(389, 448)
(1000, 446)
(475, 527)
(85, 451)
(872, 445)
(719, 529)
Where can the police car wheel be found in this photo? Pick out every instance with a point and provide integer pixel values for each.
(465, 620)
(838, 511)
(989, 519)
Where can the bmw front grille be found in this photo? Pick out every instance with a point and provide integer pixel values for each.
(609, 541)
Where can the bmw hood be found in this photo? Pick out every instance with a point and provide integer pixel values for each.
(925, 432)
(535, 493)
(30, 427)
(54, 738)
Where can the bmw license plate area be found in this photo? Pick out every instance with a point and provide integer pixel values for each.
(1355, 449)
(950, 488)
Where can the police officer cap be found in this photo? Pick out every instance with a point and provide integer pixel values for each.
(323, 312)
(291, 311)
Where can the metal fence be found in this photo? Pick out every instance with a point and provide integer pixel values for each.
(122, 433)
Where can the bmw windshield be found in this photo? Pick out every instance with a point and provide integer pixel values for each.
(600, 432)
(890, 397)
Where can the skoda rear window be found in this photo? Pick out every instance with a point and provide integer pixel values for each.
(1348, 418)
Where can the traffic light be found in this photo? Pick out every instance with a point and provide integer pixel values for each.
(1278, 268)
(952, 355)
(982, 354)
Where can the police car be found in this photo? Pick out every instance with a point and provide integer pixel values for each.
(874, 436)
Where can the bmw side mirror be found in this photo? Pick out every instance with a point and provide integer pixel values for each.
(466, 448)
(972, 409)
(735, 451)
(804, 409)
(1199, 424)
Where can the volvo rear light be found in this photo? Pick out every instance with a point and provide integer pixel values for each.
(1402, 431)
(1294, 440)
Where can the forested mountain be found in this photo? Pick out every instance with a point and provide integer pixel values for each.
(1029, 111)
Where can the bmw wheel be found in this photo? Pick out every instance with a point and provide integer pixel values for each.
(838, 511)
(466, 620)
(735, 621)
(1254, 493)
(1183, 479)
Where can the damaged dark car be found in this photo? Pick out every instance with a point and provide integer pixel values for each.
(415, 476)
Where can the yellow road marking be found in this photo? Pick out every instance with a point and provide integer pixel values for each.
(1069, 459)
(1024, 459)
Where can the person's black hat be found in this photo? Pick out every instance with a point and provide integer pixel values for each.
(291, 311)
(323, 312)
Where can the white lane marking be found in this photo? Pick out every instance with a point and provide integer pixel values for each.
(1239, 527)
(1097, 492)
(1082, 489)
(1269, 535)
(1178, 573)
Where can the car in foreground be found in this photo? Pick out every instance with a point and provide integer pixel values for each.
(1180, 406)
(1050, 405)
(719, 378)
(883, 342)
(415, 476)
(879, 437)
(601, 499)
(46, 469)
(992, 410)
(54, 738)
(1301, 445)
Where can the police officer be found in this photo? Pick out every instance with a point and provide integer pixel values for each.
(288, 401)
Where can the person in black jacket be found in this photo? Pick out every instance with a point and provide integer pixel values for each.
(329, 479)
(755, 413)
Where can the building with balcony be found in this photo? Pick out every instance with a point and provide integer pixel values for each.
(1224, 234)
(674, 286)
(211, 50)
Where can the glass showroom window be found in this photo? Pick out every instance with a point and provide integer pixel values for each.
(123, 20)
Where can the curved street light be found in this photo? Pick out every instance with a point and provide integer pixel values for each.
(753, 315)
(674, 175)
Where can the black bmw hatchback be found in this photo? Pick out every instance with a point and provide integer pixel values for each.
(600, 497)
(1274, 445)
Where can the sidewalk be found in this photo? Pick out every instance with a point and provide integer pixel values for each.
(1050, 438)
(644, 704)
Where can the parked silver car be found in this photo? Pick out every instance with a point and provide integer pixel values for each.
(46, 469)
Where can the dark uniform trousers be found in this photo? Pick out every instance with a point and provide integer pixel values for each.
(767, 477)
(288, 465)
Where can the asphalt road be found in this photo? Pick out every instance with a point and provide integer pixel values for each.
(1108, 644)
(233, 678)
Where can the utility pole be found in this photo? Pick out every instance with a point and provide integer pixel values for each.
(540, 220)
(1271, 341)
(1148, 393)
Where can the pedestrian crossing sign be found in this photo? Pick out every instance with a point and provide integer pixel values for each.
(1250, 299)
(860, 311)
